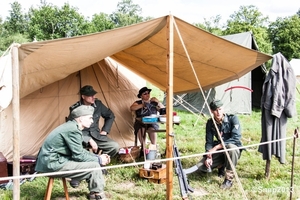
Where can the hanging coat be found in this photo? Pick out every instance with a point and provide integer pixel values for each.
(277, 104)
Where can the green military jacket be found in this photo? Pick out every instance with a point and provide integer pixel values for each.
(63, 144)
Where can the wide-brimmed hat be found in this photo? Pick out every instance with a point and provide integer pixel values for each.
(142, 90)
(87, 91)
(82, 111)
(215, 104)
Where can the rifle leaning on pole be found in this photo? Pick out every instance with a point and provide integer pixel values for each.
(182, 178)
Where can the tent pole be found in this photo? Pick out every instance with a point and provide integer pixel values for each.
(169, 104)
(16, 120)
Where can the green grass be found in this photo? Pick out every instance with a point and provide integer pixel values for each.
(125, 183)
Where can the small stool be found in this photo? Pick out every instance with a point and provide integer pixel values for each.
(50, 186)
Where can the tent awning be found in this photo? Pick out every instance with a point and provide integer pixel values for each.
(141, 48)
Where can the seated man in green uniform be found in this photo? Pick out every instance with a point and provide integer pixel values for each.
(63, 151)
(230, 130)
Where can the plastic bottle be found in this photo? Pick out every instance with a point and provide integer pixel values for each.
(209, 174)
(158, 154)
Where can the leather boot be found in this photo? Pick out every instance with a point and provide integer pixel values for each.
(228, 180)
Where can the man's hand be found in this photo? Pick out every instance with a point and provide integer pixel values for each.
(103, 133)
(154, 99)
(93, 145)
(208, 162)
(105, 159)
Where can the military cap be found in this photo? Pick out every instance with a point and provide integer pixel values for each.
(82, 111)
(215, 104)
(87, 90)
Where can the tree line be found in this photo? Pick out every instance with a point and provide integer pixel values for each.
(49, 21)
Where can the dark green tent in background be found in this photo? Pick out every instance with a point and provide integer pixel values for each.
(238, 96)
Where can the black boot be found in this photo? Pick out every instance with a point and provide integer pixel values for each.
(226, 184)
(221, 172)
(74, 183)
(228, 180)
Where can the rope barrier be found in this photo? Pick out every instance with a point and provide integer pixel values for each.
(136, 163)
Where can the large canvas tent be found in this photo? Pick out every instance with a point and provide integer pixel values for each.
(142, 48)
(295, 63)
(238, 96)
(172, 54)
(45, 66)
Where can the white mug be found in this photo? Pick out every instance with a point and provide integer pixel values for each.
(147, 165)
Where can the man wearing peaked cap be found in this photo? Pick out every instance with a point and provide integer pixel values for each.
(215, 104)
(94, 136)
(63, 151)
(227, 129)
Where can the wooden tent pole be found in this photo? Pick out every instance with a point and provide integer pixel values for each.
(296, 135)
(169, 104)
(16, 120)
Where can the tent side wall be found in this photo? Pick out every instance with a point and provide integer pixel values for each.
(46, 108)
(236, 100)
(295, 63)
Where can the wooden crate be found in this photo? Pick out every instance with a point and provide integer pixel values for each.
(158, 181)
(154, 176)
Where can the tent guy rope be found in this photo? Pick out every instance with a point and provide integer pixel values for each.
(205, 101)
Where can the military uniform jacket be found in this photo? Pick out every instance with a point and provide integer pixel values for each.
(63, 144)
(230, 131)
(100, 111)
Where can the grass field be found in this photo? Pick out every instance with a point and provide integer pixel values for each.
(125, 183)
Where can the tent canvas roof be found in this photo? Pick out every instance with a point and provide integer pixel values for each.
(142, 48)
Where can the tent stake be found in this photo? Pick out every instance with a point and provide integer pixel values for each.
(267, 169)
(293, 160)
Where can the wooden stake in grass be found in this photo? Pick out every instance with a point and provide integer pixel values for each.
(293, 159)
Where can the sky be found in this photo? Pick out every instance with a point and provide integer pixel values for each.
(192, 11)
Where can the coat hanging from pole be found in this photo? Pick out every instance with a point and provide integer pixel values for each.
(278, 103)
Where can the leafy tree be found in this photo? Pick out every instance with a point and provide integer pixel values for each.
(16, 21)
(101, 22)
(2, 29)
(127, 13)
(5, 42)
(14, 29)
(248, 18)
(212, 25)
(285, 36)
(51, 22)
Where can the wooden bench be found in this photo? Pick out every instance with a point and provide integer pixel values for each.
(50, 186)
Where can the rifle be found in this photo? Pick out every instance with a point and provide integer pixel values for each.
(180, 172)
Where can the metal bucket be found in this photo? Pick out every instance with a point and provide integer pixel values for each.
(151, 155)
